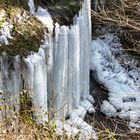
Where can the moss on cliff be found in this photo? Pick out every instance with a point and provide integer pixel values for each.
(27, 31)
(14, 3)
(62, 11)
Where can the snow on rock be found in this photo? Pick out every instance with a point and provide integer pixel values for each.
(130, 63)
(5, 29)
(41, 14)
(86, 130)
(88, 106)
(75, 128)
(124, 93)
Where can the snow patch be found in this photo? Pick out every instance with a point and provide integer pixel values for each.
(5, 34)
(76, 125)
(79, 128)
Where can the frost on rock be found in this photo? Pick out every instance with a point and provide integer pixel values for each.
(124, 93)
(31, 6)
(44, 17)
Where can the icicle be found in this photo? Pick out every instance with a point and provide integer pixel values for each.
(60, 72)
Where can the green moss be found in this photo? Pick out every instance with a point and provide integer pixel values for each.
(28, 39)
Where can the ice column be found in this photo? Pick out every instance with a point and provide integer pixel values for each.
(73, 68)
(37, 83)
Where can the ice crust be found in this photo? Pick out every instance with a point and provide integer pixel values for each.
(124, 94)
(5, 30)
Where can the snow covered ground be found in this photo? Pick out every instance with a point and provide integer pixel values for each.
(124, 91)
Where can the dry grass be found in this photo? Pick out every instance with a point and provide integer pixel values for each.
(16, 128)
(22, 125)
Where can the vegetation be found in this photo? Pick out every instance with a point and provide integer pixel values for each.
(27, 33)
(17, 127)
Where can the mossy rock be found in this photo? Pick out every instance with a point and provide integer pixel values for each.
(27, 32)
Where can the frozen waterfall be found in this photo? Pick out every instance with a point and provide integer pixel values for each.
(58, 75)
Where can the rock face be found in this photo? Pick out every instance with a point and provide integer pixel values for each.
(58, 75)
